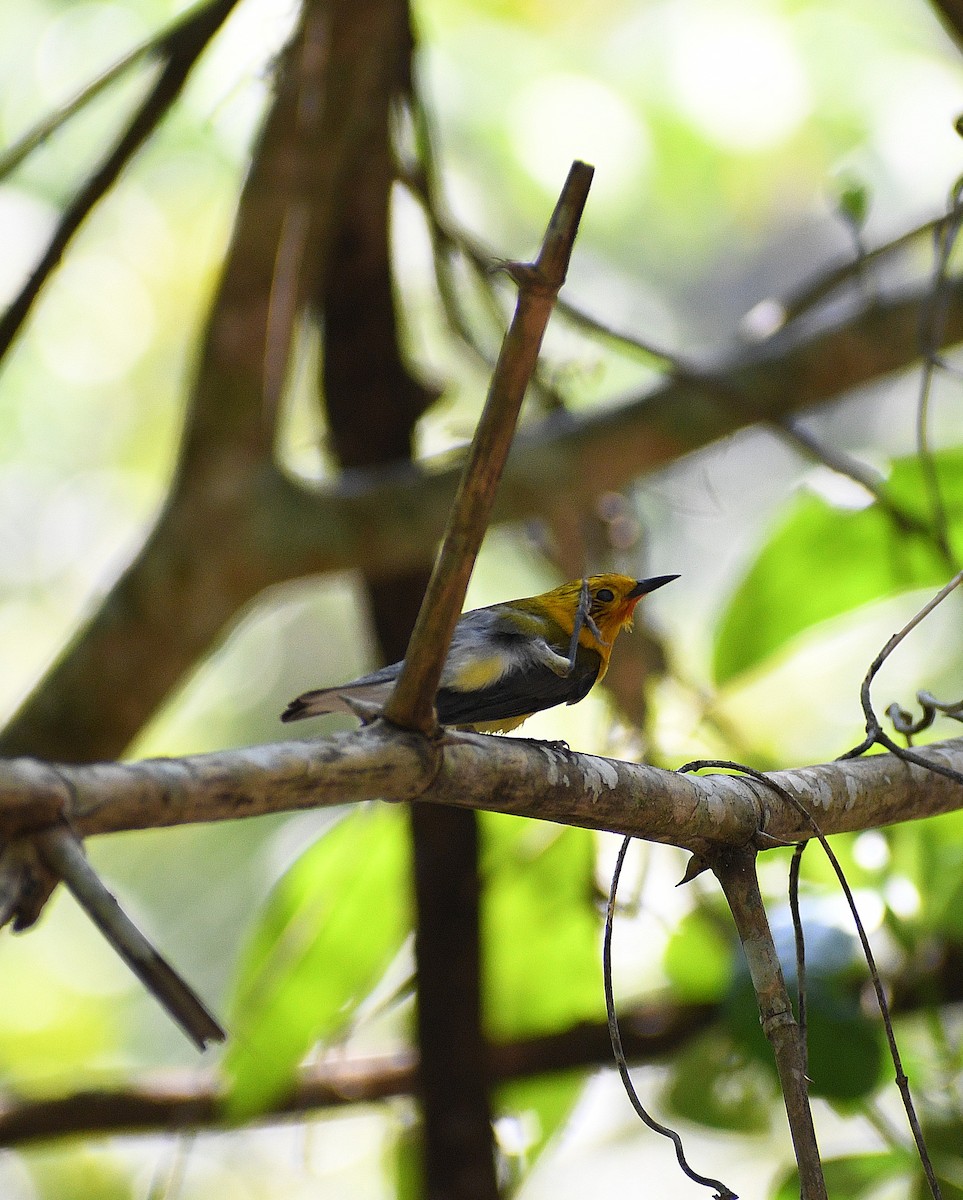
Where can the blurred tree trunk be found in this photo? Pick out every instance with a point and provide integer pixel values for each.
(372, 405)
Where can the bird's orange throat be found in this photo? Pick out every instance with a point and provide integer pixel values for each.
(611, 624)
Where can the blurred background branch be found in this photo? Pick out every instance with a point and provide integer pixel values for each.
(273, 529)
(649, 1033)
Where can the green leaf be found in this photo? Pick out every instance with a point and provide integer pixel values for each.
(698, 959)
(540, 1105)
(541, 938)
(852, 1176)
(540, 927)
(328, 931)
(712, 1086)
(853, 200)
(846, 1054)
(946, 1153)
(821, 561)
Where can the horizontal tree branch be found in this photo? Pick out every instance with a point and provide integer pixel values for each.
(382, 521)
(237, 526)
(513, 775)
(171, 1101)
(175, 1101)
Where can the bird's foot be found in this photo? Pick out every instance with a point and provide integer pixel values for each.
(559, 746)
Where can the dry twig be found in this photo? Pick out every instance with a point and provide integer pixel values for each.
(180, 47)
(411, 703)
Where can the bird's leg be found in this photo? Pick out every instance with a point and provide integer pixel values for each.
(542, 652)
(563, 665)
(583, 620)
(559, 746)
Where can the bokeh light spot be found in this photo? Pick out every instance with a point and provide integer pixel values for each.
(25, 224)
(560, 117)
(737, 76)
(98, 322)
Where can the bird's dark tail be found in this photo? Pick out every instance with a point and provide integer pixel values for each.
(337, 699)
(300, 708)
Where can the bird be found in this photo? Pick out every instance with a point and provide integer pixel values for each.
(512, 659)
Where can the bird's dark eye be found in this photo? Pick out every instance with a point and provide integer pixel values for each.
(606, 595)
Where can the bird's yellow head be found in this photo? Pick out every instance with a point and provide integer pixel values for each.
(612, 601)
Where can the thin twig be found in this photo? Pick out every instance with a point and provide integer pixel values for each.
(687, 372)
(736, 871)
(170, 1100)
(411, 704)
(156, 45)
(816, 291)
(190, 1100)
(874, 730)
(582, 319)
(932, 327)
(902, 1082)
(844, 464)
(904, 723)
(722, 1192)
(792, 307)
(63, 854)
(800, 940)
(182, 46)
(448, 241)
(422, 179)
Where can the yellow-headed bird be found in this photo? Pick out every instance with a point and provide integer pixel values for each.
(513, 659)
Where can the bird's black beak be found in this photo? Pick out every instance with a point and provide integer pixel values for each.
(644, 586)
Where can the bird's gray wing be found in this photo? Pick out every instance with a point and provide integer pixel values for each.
(516, 694)
(527, 683)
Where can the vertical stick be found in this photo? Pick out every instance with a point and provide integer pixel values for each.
(736, 872)
(412, 700)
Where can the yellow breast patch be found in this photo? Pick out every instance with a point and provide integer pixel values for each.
(478, 672)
